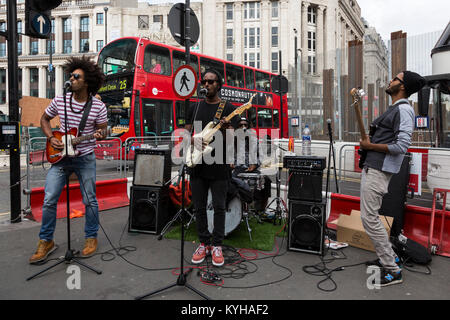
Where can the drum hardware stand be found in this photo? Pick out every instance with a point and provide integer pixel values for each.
(69, 257)
(331, 150)
(178, 214)
(279, 210)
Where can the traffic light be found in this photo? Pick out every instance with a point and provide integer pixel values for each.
(38, 23)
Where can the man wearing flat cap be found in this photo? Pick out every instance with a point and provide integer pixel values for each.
(386, 149)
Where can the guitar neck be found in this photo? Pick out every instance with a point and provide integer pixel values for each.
(360, 122)
(77, 140)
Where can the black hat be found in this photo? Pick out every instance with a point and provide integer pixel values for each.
(413, 82)
(244, 119)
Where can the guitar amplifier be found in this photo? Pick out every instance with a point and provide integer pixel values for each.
(152, 167)
(304, 162)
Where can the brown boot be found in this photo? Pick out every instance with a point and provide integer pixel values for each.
(44, 249)
(90, 247)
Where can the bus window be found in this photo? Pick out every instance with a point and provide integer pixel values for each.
(251, 116)
(180, 114)
(249, 79)
(276, 119)
(264, 118)
(235, 76)
(262, 81)
(118, 56)
(157, 117)
(157, 60)
(179, 59)
(206, 64)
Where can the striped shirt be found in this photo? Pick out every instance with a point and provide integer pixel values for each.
(97, 116)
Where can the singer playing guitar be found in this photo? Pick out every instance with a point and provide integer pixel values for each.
(86, 79)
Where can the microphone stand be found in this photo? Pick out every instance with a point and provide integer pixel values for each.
(331, 150)
(70, 253)
(181, 281)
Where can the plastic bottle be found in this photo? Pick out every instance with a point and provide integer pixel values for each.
(306, 141)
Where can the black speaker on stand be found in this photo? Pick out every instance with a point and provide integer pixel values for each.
(149, 201)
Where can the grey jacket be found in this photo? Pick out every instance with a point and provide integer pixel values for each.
(394, 128)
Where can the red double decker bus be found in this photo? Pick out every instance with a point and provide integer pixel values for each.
(141, 102)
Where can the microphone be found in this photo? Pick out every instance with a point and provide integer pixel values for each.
(329, 126)
(67, 84)
(202, 92)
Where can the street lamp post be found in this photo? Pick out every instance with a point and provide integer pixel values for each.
(106, 25)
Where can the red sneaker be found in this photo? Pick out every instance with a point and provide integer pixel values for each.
(200, 254)
(217, 256)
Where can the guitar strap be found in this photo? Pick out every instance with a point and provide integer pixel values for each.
(87, 109)
(219, 111)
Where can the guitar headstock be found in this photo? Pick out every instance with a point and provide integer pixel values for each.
(245, 106)
(357, 94)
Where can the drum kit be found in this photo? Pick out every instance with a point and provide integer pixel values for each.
(240, 208)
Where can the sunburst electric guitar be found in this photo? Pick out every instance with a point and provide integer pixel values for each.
(357, 95)
(56, 155)
(194, 155)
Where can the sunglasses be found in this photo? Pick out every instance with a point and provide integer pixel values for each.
(76, 76)
(203, 82)
(399, 80)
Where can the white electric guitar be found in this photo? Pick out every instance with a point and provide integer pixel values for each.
(194, 155)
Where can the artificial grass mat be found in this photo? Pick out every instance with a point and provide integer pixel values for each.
(263, 234)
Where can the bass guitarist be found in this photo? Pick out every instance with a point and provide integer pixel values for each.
(86, 79)
(214, 176)
(385, 152)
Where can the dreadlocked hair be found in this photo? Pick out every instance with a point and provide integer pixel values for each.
(93, 75)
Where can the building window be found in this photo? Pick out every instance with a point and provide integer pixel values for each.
(251, 37)
(34, 82)
(274, 9)
(84, 34)
(311, 64)
(229, 57)
(311, 15)
(100, 18)
(252, 10)
(275, 62)
(2, 86)
(229, 38)
(50, 47)
(99, 45)
(19, 38)
(274, 36)
(229, 8)
(67, 35)
(143, 22)
(50, 91)
(34, 46)
(311, 41)
(67, 25)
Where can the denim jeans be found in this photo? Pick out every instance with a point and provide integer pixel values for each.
(219, 188)
(85, 169)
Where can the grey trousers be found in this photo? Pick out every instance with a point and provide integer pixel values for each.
(374, 185)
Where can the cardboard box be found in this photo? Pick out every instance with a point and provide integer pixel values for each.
(350, 230)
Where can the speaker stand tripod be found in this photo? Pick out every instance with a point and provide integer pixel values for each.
(181, 281)
(281, 209)
(69, 257)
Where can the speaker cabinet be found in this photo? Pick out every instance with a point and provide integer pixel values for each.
(305, 185)
(152, 167)
(306, 226)
(149, 209)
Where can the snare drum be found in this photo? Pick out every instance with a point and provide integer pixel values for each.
(254, 180)
(233, 215)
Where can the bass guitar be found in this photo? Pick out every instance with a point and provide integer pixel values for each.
(357, 95)
(56, 155)
(194, 155)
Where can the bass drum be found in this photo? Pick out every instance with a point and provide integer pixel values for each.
(233, 215)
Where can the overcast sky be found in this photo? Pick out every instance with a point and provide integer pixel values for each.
(411, 16)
